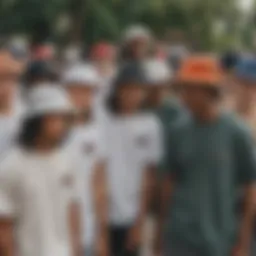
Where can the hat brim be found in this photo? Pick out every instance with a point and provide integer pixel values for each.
(210, 81)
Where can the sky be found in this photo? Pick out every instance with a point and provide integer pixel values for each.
(246, 4)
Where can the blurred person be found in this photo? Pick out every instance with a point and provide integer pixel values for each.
(245, 100)
(136, 43)
(43, 52)
(103, 57)
(72, 55)
(245, 78)
(10, 114)
(39, 213)
(134, 148)
(209, 158)
(39, 72)
(161, 100)
(229, 61)
(86, 144)
(177, 50)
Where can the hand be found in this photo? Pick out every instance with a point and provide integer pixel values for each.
(134, 238)
(102, 247)
(157, 245)
(78, 251)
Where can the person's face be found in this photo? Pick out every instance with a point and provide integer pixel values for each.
(81, 96)
(131, 97)
(195, 98)
(140, 47)
(246, 91)
(8, 83)
(54, 127)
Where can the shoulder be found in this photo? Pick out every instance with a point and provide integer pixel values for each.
(182, 125)
(235, 125)
(150, 121)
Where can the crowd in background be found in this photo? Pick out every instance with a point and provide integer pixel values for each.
(143, 148)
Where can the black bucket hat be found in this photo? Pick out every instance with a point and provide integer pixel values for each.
(130, 74)
(38, 70)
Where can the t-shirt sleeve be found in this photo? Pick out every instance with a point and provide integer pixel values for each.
(8, 193)
(246, 157)
(155, 148)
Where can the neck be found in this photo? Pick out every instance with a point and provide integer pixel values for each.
(127, 111)
(6, 109)
(44, 146)
(83, 117)
(207, 115)
(155, 103)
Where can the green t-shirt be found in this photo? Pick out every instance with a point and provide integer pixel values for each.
(211, 162)
(170, 112)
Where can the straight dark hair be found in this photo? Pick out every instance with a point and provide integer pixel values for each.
(31, 128)
(112, 103)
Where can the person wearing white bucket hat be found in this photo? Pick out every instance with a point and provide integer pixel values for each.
(48, 99)
(160, 100)
(136, 43)
(39, 203)
(81, 81)
(86, 143)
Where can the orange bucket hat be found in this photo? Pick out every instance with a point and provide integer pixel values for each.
(203, 70)
(8, 65)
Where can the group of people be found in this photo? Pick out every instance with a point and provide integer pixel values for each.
(89, 155)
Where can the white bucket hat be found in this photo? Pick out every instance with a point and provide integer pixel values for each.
(48, 99)
(136, 31)
(83, 74)
(157, 72)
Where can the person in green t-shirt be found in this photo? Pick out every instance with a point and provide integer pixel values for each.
(209, 162)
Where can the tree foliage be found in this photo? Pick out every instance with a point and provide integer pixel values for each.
(93, 20)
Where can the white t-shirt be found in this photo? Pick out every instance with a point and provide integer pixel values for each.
(35, 191)
(10, 124)
(9, 129)
(86, 144)
(133, 144)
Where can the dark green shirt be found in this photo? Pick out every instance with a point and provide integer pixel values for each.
(211, 162)
(170, 112)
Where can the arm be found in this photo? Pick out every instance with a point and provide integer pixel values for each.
(147, 192)
(7, 247)
(165, 198)
(247, 222)
(9, 202)
(100, 195)
(74, 227)
(246, 164)
(147, 185)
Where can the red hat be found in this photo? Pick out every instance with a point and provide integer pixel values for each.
(200, 70)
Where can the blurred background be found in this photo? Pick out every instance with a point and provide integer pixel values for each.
(201, 24)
